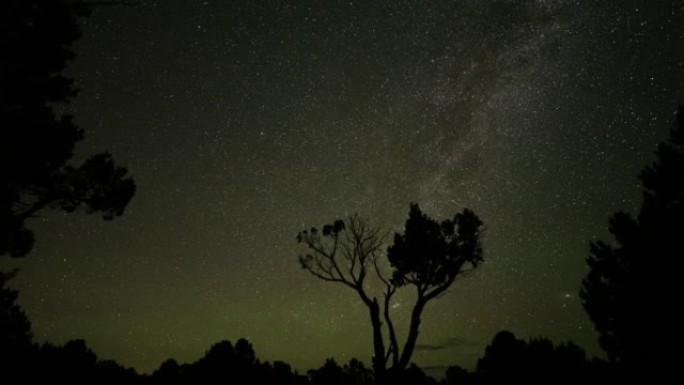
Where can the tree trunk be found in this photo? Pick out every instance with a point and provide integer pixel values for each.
(394, 346)
(379, 365)
(412, 335)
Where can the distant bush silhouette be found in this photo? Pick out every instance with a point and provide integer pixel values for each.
(504, 357)
(169, 373)
(229, 364)
(329, 374)
(354, 373)
(633, 289)
(36, 142)
(513, 361)
(456, 375)
(71, 363)
(225, 363)
(428, 256)
(22, 361)
(507, 360)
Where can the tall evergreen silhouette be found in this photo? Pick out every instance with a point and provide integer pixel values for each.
(36, 141)
(632, 292)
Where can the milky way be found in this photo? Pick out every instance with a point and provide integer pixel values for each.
(244, 122)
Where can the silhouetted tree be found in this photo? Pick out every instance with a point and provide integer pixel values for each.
(244, 353)
(329, 374)
(358, 373)
(110, 372)
(456, 375)
(428, 256)
(37, 142)
(16, 348)
(353, 373)
(74, 362)
(15, 327)
(513, 361)
(503, 358)
(220, 364)
(280, 373)
(22, 361)
(169, 373)
(228, 364)
(633, 288)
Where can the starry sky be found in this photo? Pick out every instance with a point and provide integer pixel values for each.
(244, 122)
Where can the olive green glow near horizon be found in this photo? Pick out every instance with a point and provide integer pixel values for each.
(244, 123)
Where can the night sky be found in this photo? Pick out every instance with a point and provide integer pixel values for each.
(244, 122)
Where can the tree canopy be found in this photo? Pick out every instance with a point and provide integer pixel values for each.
(36, 141)
(430, 254)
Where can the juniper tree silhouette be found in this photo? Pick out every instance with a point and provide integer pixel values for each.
(428, 256)
(36, 141)
(633, 289)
